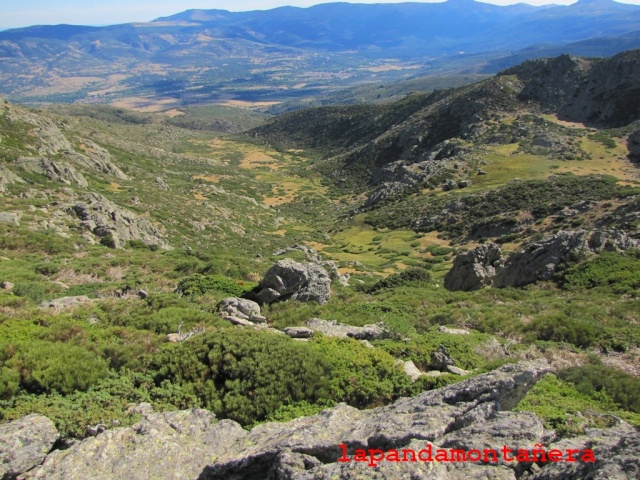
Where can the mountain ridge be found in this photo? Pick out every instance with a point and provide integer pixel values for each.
(289, 52)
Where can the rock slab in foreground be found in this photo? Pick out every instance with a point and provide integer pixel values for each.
(24, 444)
(163, 446)
(468, 415)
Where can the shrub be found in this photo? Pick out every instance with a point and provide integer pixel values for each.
(558, 327)
(61, 367)
(198, 284)
(413, 276)
(595, 380)
(620, 272)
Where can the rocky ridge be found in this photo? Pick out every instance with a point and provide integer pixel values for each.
(536, 261)
(473, 414)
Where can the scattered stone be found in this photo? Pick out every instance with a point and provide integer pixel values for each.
(457, 371)
(464, 183)
(441, 359)
(298, 332)
(475, 269)
(239, 321)
(452, 331)
(24, 444)
(367, 343)
(142, 294)
(65, 302)
(332, 328)
(412, 371)
(289, 279)
(7, 285)
(163, 185)
(450, 185)
(10, 217)
(482, 172)
(241, 308)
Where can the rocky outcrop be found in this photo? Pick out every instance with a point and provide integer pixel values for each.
(171, 445)
(54, 171)
(536, 261)
(240, 308)
(539, 260)
(313, 257)
(24, 444)
(308, 448)
(289, 279)
(470, 415)
(116, 225)
(7, 177)
(616, 450)
(331, 328)
(475, 269)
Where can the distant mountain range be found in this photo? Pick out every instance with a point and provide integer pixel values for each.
(201, 55)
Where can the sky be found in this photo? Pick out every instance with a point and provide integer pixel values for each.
(87, 12)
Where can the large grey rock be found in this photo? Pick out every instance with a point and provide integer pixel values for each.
(116, 225)
(289, 279)
(441, 359)
(470, 415)
(484, 266)
(54, 171)
(616, 450)
(24, 444)
(474, 269)
(171, 445)
(331, 328)
(241, 308)
(540, 260)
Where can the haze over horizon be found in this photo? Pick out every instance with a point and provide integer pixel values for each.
(78, 12)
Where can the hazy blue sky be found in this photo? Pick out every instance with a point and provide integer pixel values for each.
(19, 13)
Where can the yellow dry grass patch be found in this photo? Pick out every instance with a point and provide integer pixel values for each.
(199, 196)
(431, 238)
(564, 123)
(257, 159)
(114, 187)
(174, 112)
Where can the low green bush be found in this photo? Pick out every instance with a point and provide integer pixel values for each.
(595, 380)
(198, 284)
(412, 276)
